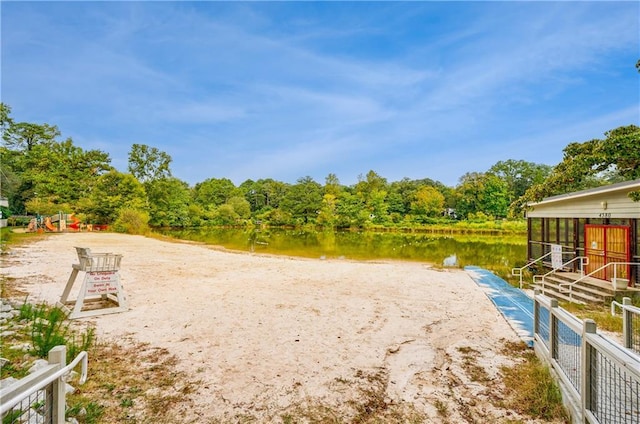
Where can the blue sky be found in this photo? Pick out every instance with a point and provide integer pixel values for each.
(285, 90)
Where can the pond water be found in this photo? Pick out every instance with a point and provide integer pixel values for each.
(498, 253)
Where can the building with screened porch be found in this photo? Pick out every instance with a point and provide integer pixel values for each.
(597, 230)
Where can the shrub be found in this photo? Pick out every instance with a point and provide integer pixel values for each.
(131, 221)
(48, 330)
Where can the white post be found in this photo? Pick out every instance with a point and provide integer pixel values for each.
(627, 324)
(589, 327)
(58, 355)
(536, 314)
(553, 343)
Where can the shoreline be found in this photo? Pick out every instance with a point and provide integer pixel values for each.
(268, 332)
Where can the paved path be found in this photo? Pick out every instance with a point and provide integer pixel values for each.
(513, 303)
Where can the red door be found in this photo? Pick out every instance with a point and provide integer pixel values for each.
(604, 244)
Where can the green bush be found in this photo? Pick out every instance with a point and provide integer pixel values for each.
(48, 329)
(131, 221)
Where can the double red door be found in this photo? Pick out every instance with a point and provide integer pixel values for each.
(604, 244)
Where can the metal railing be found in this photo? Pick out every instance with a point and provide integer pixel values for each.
(517, 272)
(540, 279)
(630, 323)
(585, 276)
(600, 379)
(40, 397)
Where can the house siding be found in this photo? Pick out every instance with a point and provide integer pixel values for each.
(618, 205)
(561, 220)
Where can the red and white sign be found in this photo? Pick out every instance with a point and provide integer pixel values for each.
(102, 282)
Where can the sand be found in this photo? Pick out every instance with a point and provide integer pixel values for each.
(266, 334)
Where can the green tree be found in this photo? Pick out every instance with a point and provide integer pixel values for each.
(169, 200)
(112, 192)
(520, 175)
(303, 200)
(225, 215)
(148, 163)
(264, 194)
(480, 192)
(240, 206)
(400, 195)
(351, 211)
(327, 216)
(214, 192)
(372, 182)
(59, 173)
(373, 191)
(428, 201)
(332, 185)
(6, 121)
(26, 135)
(591, 164)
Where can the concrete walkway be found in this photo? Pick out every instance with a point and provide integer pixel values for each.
(513, 303)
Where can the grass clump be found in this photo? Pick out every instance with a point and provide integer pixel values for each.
(131, 382)
(531, 389)
(50, 328)
(601, 314)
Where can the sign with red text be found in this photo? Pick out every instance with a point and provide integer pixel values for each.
(105, 282)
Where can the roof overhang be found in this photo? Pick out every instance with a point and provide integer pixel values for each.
(626, 186)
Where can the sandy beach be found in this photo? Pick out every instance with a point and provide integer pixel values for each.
(265, 334)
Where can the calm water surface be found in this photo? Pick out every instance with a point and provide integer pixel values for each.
(499, 253)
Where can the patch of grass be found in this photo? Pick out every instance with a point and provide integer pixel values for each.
(442, 408)
(135, 383)
(470, 365)
(9, 288)
(12, 416)
(601, 314)
(86, 412)
(531, 389)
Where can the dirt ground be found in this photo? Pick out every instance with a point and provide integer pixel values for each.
(267, 335)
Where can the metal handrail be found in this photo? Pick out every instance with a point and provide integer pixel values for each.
(519, 270)
(624, 306)
(584, 261)
(615, 272)
(82, 356)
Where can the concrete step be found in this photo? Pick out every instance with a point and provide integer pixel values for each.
(595, 292)
(590, 290)
(549, 291)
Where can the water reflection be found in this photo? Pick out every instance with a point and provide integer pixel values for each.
(450, 260)
(489, 251)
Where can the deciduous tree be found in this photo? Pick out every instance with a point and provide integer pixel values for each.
(148, 163)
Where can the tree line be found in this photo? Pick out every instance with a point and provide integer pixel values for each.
(44, 174)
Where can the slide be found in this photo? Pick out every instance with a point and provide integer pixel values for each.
(49, 225)
(75, 222)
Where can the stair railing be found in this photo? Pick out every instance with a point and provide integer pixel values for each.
(517, 272)
(615, 275)
(540, 279)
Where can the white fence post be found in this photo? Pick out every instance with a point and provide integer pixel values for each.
(536, 307)
(589, 327)
(627, 324)
(553, 329)
(58, 355)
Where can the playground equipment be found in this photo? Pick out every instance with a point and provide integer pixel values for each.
(101, 291)
(49, 225)
(75, 222)
(62, 222)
